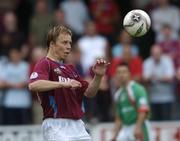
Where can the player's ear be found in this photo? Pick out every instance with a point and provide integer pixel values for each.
(52, 43)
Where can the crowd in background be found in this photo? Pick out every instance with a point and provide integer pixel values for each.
(154, 60)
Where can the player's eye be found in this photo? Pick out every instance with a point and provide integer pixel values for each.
(67, 42)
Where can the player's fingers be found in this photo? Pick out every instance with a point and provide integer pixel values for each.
(77, 84)
(98, 61)
(102, 61)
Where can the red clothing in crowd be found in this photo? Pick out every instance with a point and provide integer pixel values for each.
(105, 13)
(135, 66)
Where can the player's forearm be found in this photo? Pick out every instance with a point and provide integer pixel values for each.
(44, 85)
(93, 86)
(141, 118)
(118, 126)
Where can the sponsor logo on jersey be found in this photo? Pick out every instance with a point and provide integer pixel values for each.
(127, 109)
(34, 75)
(57, 71)
(63, 79)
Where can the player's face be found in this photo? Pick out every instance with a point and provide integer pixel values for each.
(62, 47)
(122, 74)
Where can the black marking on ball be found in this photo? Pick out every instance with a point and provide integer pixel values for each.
(136, 17)
(139, 29)
(146, 23)
(129, 25)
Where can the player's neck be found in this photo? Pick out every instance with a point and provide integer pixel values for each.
(53, 57)
(126, 83)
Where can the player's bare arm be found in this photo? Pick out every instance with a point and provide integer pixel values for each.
(118, 126)
(99, 70)
(46, 85)
(138, 132)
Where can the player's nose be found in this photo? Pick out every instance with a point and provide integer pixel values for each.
(68, 47)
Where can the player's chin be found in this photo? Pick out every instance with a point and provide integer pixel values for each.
(65, 55)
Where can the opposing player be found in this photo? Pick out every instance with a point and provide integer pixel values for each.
(132, 109)
(60, 89)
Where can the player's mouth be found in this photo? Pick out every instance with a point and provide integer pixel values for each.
(66, 53)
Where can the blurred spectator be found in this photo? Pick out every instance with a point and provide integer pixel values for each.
(37, 54)
(166, 14)
(124, 40)
(59, 17)
(10, 36)
(75, 59)
(17, 100)
(170, 46)
(159, 74)
(134, 62)
(76, 14)
(40, 23)
(106, 16)
(92, 46)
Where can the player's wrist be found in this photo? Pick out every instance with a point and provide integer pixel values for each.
(64, 85)
(98, 76)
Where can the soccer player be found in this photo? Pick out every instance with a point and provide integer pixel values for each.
(61, 89)
(132, 108)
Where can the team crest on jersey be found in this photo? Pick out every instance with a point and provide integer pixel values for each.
(34, 75)
(62, 67)
(57, 71)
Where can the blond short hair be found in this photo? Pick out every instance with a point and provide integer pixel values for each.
(54, 32)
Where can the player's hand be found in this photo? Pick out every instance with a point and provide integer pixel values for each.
(75, 83)
(138, 133)
(100, 67)
(71, 83)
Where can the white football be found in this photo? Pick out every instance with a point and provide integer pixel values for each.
(137, 23)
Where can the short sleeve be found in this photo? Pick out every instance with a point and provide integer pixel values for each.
(142, 100)
(40, 71)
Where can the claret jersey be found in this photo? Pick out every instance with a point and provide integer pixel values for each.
(61, 102)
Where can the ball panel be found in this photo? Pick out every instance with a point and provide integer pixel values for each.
(137, 22)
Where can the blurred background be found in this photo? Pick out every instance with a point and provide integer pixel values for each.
(97, 32)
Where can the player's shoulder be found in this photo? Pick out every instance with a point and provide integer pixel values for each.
(137, 86)
(43, 63)
(70, 67)
(43, 60)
